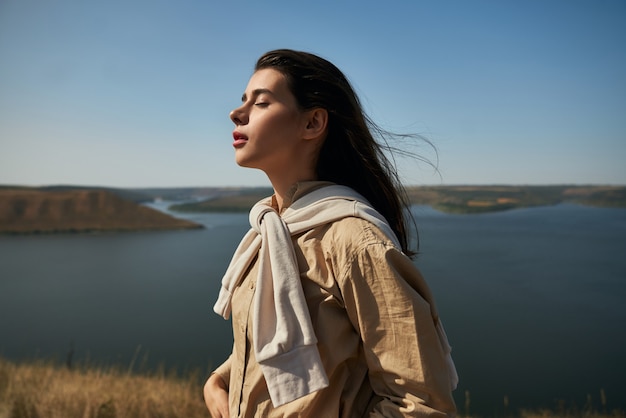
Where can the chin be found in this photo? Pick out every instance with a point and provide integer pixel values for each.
(240, 159)
(242, 162)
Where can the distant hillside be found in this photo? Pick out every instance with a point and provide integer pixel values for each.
(141, 195)
(228, 200)
(479, 199)
(178, 193)
(135, 195)
(24, 210)
(450, 199)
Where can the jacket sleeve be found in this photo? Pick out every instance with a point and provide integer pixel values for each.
(397, 325)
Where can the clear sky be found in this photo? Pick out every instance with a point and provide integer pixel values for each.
(136, 93)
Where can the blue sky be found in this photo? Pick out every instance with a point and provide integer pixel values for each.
(137, 93)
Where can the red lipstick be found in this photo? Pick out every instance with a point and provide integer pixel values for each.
(239, 139)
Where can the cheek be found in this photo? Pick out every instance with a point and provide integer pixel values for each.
(279, 125)
(289, 122)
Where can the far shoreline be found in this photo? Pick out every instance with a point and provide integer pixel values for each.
(455, 199)
(447, 199)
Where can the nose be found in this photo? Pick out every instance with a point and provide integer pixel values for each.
(238, 116)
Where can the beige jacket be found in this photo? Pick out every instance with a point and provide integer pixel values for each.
(375, 322)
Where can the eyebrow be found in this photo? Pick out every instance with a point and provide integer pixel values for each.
(256, 92)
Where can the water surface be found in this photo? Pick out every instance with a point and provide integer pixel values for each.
(532, 299)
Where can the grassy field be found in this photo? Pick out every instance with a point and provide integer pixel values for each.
(45, 390)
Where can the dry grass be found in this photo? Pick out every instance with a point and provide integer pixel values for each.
(45, 390)
(42, 390)
(561, 410)
(546, 413)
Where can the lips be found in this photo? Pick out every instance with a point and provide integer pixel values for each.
(239, 139)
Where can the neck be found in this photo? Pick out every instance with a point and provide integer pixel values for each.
(283, 184)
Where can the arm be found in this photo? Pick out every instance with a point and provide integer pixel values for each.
(388, 303)
(216, 390)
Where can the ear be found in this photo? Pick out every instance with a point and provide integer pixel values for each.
(316, 123)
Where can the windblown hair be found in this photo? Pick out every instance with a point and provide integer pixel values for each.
(350, 155)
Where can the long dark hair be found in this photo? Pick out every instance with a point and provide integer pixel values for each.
(349, 155)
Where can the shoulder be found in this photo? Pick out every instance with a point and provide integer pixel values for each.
(343, 239)
(338, 247)
(354, 235)
(354, 242)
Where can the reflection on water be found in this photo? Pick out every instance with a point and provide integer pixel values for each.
(532, 299)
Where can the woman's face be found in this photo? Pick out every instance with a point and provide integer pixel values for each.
(268, 125)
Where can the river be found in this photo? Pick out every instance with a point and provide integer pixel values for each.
(533, 300)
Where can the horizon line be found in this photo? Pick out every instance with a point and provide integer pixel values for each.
(91, 186)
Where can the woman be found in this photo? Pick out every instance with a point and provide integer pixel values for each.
(330, 316)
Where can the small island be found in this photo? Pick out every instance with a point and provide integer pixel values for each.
(33, 210)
